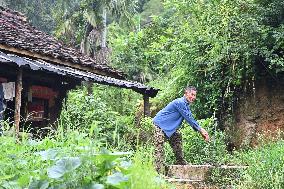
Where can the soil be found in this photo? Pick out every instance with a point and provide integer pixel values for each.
(259, 114)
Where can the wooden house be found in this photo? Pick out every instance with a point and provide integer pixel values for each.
(43, 69)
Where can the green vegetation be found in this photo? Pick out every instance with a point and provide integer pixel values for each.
(266, 168)
(222, 47)
(106, 119)
(72, 159)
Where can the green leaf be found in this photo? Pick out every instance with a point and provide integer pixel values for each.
(24, 180)
(91, 18)
(63, 166)
(56, 172)
(6, 177)
(94, 186)
(125, 164)
(39, 184)
(49, 154)
(108, 156)
(10, 185)
(116, 179)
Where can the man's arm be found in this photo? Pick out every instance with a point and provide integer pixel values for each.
(187, 115)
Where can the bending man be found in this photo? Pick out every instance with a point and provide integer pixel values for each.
(168, 121)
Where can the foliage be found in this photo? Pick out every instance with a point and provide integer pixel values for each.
(265, 166)
(139, 59)
(218, 46)
(151, 8)
(71, 159)
(74, 17)
(107, 119)
(197, 151)
(143, 171)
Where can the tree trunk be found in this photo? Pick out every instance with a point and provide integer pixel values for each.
(104, 29)
(84, 43)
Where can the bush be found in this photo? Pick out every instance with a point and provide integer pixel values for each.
(266, 166)
(110, 121)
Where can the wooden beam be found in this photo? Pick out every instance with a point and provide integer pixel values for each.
(146, 106)
(18, 101)
(57, 61)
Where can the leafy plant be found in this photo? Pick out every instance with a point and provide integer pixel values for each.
(265, 166)
(70, 160)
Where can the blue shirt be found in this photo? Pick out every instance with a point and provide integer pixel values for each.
(170, 118)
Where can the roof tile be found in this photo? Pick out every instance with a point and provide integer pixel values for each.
(16, 32)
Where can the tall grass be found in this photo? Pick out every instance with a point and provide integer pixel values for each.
(144, 174)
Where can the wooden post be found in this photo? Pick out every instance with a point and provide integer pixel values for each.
(18, 101)
(146, 106)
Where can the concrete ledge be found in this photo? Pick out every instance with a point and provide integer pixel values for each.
(197, 172)
(182, 180)
(190, 184)
(191, 172)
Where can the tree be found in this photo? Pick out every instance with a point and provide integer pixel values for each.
(38, 12)
(85, 22)
(217, 46)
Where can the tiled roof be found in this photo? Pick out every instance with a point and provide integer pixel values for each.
(16, 32)
(40, 65)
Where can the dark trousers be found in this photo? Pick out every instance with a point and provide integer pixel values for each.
(176, 144)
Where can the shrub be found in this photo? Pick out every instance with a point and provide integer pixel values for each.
(266, 168)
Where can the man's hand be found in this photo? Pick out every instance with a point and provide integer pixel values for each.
(204, 134)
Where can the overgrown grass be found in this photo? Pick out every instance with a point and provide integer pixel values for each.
(144, 173)
(266, 166)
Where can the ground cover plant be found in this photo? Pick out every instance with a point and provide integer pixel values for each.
(72, 159)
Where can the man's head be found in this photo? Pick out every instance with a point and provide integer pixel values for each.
(190, 94)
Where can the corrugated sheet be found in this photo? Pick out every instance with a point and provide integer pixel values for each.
(40, 65)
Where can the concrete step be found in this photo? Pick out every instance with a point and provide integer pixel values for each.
(190, 184)
(198, 172)
(191, 172)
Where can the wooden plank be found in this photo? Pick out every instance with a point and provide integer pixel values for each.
(18, 101)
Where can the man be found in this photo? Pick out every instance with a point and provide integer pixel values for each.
(168, 121)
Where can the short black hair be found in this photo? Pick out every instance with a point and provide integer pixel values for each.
(190, 88)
